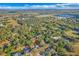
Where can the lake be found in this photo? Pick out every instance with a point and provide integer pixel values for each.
(68, 15)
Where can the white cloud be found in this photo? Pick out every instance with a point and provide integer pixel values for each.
(52, 6)
(63, 4)
(29, 7)
(68, 5)
(42, 6)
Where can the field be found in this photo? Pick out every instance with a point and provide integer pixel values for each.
(38, 33)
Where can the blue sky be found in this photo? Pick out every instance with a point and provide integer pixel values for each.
(39, 5)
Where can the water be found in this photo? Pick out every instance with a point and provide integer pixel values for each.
(68, 15)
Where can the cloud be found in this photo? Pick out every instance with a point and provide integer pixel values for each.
(29, 7)
(44, 6)
(9, 7)
(63, 4)
(68, 5)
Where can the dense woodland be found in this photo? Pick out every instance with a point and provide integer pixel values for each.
(27, 34)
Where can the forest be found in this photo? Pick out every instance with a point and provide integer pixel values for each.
(38, 34)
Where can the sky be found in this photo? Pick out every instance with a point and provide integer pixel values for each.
(39, 5)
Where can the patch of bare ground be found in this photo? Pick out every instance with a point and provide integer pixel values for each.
(75, 51)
